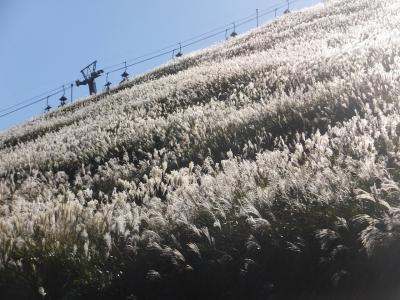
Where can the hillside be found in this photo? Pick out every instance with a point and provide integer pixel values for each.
(264, 167)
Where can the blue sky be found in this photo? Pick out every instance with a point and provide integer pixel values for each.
(45, 43)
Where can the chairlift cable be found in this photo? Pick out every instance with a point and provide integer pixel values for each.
(184, 44)
(30, 99)
(247, 19)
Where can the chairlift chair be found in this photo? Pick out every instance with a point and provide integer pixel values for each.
(179, 54)
(287, 11)
(48, 107)
(63, 99)
(125, 75)
(108, 84)
(234, 33)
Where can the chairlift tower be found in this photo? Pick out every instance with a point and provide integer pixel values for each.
(90, 74)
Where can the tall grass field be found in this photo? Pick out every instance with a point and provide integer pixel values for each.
(264, 167)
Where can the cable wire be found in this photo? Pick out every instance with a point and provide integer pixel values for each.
(30, 99)
(220, 29)
(32, 103)
(153, 55)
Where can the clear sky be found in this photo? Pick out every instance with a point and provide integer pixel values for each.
(45, 43)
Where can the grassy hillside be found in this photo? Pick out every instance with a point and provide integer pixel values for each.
(265, 167)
